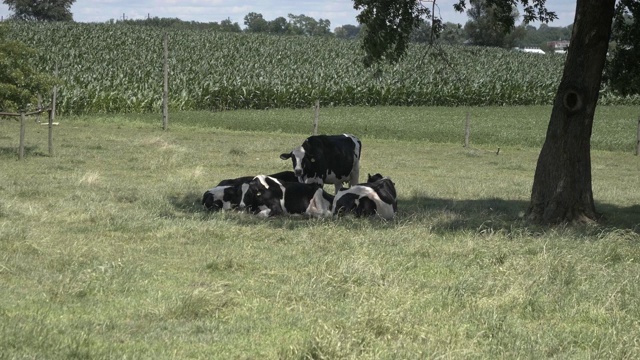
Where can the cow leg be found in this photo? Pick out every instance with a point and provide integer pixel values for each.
(312, 209)
(354, 178)
(276, 210)
(318, 206)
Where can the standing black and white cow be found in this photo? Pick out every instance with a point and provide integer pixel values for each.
(333, 159)
(227, 194)
(376, 196)
(268, 196)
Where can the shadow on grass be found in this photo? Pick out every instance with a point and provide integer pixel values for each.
(440, 215)
(450, 214)
(496, 213)
(190, 203)
(12, 152)
(620, 217)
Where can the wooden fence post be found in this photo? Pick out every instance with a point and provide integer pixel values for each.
(39, 108)
(638, 141)
(315, 117)
(467, 131)
(52, 115)
(165, 93)
(22, 129)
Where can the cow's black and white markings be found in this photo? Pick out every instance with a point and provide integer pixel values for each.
(332, 159)
(227, 194)
(268, 196)
(377, 196)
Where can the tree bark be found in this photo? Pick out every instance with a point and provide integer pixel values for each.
(562, 184)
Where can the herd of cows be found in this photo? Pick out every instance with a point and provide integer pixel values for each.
(321, 159)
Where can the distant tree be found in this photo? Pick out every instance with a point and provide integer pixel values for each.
(306, 25)
(623, 69)
(514, 37)
(295, 26)
(347, 31)
(278, 25)
(531, 37)
(41, 10)
(452, 34)
(227, 26)
(485, 27)
(541, 36)
(422, 34)
(256, 23)
(19, 81)
(552, 33)
(322, 28)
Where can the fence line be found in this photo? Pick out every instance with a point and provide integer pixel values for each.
(23, 122)
(316, 115)
(165, 91)
(638, 141)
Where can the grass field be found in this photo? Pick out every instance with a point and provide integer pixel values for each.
(105, 252)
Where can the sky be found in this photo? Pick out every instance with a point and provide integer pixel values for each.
(339, 12)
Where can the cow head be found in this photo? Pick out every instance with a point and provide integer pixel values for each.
(345, 203)
(298, 157)
(250, 196)
(308, 160)
(263, 192)
(209, 201)
(220, 198)
(385, 188)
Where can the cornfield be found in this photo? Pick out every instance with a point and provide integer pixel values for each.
(115, 68)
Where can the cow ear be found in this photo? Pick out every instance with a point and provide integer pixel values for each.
(285, 156)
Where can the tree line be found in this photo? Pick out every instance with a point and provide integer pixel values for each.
(473, 32)
(481, 29)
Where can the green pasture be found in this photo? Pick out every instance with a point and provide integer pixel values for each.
(106, 253)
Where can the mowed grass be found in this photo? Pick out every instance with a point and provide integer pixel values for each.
(105, 251)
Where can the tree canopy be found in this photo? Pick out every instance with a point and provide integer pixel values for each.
(255, 22)
(19, 82)
(486, 24)
(390, 23)
(623, 69)
(388, 26)
(41, 10)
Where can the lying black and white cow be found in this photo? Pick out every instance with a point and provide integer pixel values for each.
(376, 196)
(332, 159)
(268, 196)
(228, 193)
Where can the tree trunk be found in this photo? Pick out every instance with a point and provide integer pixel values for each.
(562, 184)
